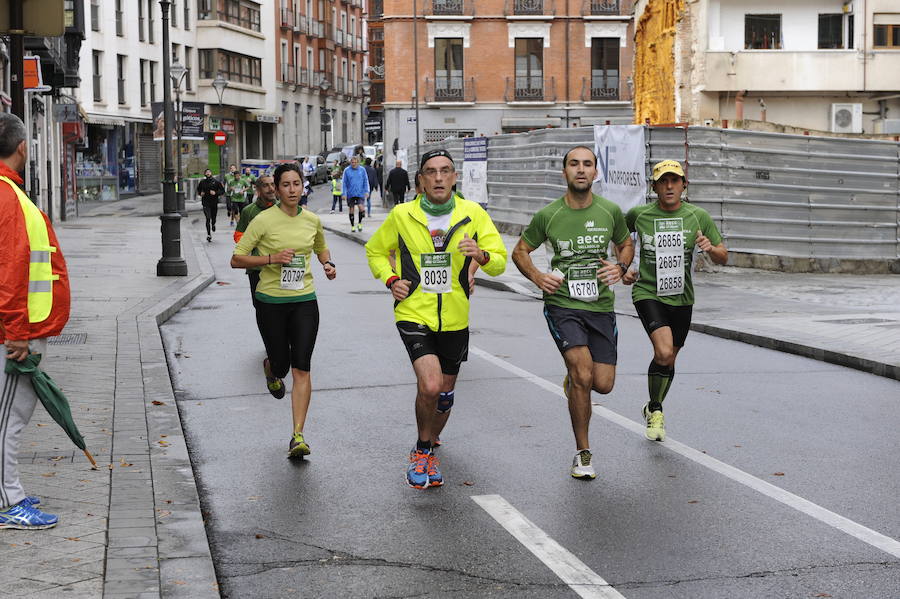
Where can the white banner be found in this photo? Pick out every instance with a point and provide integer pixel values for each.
(620, 164)
(474, 175)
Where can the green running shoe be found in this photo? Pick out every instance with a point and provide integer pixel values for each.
(298, 447)
(274, 384)
(656, 424)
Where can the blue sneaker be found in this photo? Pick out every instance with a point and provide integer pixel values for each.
(417, 471)
(31, 500)
(26, 517)
(435, 479)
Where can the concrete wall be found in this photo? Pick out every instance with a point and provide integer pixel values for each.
(799, 21)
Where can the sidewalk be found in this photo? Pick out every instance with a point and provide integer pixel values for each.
(850, 320)
(132, 528)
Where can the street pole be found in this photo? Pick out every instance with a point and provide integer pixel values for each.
(416, 67)
(171, 263)
(179, 193)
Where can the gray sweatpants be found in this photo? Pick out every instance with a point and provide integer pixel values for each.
(16, 407)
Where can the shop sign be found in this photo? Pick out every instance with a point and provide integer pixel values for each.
(192, 117)
(373, 124)
(66, 113)
(268, 118)
(217, 123)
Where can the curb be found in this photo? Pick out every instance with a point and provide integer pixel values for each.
(807, 351)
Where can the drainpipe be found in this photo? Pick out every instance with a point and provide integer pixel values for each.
(568, 35)
(739, 105)
(762, 110)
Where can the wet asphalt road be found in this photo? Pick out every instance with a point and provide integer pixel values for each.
(655, 523)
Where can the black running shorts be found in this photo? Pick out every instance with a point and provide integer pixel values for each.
(356, 201)
(655, 314)
(451, 347)
(289, 333)
(573, 328)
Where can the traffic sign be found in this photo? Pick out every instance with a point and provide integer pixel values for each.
(220, 138)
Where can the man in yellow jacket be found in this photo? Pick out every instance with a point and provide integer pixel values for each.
(436, 239)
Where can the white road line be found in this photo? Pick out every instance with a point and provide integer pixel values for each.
(854, 529)
(571, 570)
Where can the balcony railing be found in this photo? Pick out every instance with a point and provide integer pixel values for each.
(339, 86)
(288, 74)
(599, 89)
(600, 7)
(339, 37)
(287, 18)
(301, 24)
(450, 89)
(303, 77)
(530, 89)
(528, 7)
(323, 77)
(450, 8)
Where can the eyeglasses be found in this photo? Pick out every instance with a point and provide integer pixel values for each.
(445, 171)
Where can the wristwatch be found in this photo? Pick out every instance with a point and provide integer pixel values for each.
(330, 263)
(623, 266)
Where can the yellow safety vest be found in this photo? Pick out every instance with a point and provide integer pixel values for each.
(336, 187)
(40, 273)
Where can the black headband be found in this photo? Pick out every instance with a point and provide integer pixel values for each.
(434, 154)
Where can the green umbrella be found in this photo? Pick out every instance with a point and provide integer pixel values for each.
(52, 397)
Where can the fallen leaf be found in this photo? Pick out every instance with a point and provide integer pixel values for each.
(778, 474)
(525, 426)
(164, 513)
(222, 283)
(41, 424)
(164, 435)
(468, 483)
(738, 445)
(671, 476)
(693, 501)
(253, 498)
(259, 536)
(125, 464)
(168, 501)
(72, 539)
(156, 402)
(48, 474)
(179, 582)
(110, 466)
(163, 443)
(75, 559)
(822, 595)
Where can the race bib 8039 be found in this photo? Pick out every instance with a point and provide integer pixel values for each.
(435, 272)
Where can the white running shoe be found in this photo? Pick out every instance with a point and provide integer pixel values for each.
(581, 465)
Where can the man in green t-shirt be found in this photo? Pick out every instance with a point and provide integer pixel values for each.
(265, 198)
(663, 293)
(578, 303)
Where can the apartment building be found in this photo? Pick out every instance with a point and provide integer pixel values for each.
(823, 65)
(374, 75)
(320, 52)
(504, 66)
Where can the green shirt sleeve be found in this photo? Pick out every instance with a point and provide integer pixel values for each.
(631, 219)
(536, 232)
(620, 229)
(249, 240)
(709, 228)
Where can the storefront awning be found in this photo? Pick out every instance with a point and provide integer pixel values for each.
(104, 119)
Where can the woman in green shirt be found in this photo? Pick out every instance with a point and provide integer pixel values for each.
(287, 312)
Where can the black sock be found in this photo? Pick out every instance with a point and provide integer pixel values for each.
(423, 445)
(351, 219)
(659, 379)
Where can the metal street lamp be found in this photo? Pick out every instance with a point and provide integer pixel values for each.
(219, 84)
(171, 263)
(177, 72)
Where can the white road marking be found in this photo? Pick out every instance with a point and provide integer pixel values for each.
(854, 529)
(571, 570)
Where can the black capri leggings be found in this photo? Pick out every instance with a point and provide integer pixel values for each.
(289, 334)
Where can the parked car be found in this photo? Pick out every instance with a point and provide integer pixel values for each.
(320, 174)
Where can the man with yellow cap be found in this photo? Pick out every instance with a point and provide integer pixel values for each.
(663, 294)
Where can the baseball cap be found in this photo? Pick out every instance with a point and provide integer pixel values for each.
(667, 166)
(434, 154)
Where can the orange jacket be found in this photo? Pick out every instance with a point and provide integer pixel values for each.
(14, 266)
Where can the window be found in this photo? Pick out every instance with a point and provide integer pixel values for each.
(242, 13)
(235, 67)
(529, 63)
(762, 32)
(189, 65)
(152, 72)
(95, 15)
(604, 68)
(187, 15)
(121, 60)
(143, 64)
(448, 68)
(831, 31)
(886, 31)
(173, 12)
(150, 24)
(120, 27)
(97, 64)
(141, 35)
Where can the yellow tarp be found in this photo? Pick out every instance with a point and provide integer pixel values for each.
(654, 62)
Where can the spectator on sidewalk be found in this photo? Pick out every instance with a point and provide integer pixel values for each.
(373, 183)
(336, 197)
(210, 190)
(398, 183)
(34, 305)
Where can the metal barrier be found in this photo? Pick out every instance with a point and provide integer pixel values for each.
(771, 194)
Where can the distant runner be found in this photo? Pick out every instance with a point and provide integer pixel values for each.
(210, 190)
(577, 296)
(663, 293)
(265, 198)
(436, 238)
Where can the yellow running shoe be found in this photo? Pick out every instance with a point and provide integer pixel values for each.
(656, 424)
(298, 446)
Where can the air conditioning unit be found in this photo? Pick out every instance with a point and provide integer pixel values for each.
(846, 118)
